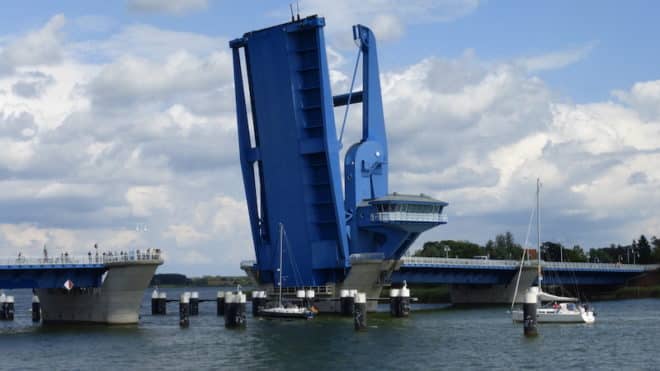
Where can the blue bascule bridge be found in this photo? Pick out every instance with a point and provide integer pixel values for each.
(330, 237)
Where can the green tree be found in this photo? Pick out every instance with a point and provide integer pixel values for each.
(550, 251)
(489, 249)
(456, 249)
(600, 256)
(656, 249)
(644, 250)
(504, 247)
(576, 254)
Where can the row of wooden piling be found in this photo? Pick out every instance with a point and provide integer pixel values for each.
(230, 305)
(7, 308)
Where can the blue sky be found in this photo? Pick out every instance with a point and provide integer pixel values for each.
(117, 114)
(622, 35)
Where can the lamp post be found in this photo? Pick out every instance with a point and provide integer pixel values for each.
(561, 249)
(447, 249)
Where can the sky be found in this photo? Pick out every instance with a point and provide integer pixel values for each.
(117, 122)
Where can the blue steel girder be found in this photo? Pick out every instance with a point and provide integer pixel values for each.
(289, 154)
(366, 162)
(51, 276)
(454, 275)
(488, 275)
(366, 167)
(590, 277)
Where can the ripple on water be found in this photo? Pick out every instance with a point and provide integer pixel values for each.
(625, 336)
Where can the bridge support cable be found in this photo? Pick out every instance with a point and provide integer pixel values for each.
(350, 94)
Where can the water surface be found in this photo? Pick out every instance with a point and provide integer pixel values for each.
(626, 335)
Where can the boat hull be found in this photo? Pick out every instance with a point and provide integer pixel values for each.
(285, 315)
(117, 301)
(551, 316)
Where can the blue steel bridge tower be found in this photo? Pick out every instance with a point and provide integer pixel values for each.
(289, 154)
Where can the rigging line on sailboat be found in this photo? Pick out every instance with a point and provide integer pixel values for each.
(529, 227)
(538, 228)
(296, 272)
(577, 288)
(280, 269)
(522, 258)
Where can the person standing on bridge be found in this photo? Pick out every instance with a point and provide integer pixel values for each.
(45, 254)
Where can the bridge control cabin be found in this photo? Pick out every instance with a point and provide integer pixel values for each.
(399, 208)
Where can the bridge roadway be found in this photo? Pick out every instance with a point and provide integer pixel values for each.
(82, 271)
(422, 270)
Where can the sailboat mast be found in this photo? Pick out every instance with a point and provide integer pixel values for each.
(281, 249)
(538, 227)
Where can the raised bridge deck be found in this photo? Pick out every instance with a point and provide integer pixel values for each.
(52, 272)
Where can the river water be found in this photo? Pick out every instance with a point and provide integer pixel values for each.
(626, 335)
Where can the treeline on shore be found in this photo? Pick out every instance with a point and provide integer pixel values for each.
(641, 251)
(176, 279)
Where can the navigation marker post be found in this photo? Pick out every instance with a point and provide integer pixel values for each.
(529, 313)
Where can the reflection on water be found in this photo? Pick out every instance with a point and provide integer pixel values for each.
(624, 336)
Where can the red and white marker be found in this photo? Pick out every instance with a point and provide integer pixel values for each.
(68, 285)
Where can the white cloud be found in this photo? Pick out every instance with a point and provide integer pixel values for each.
(132, 80)
(388, 17)
(644, 97)
(145, 200)
(185, 234)
(387, 27)
(167, 6)
(21, 236)
(148, 42)
(39, 47)
(15, 155)
(556, 60)
(94, 23)
(146, 135)
(482, 133)
(75, 160)
(32, 85)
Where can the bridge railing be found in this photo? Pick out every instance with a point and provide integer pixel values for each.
(609, 266)
(418, 260)
(366, 256)
(402, 216)
(424, 261)
(102, 258)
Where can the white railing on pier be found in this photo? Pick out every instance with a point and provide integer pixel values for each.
(101, 258)
(402, 216)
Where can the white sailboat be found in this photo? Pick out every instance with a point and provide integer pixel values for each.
(290, 311)
(551, 308)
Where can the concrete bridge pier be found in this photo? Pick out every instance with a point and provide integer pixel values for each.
(494, 294)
